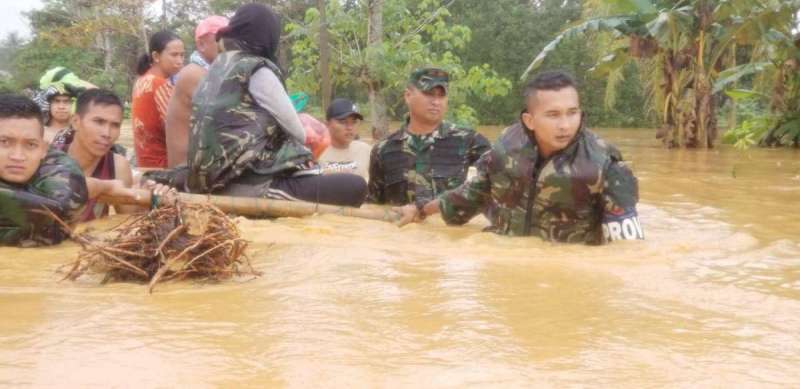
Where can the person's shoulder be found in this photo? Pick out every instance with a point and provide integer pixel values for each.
(260, 65)
(600, 146)
(57, 163)
(55, 156)
(392, 137)
(453, 129)
(189, 73)
(513, 137)
(149, 78)
(159, 82)
(360, 146)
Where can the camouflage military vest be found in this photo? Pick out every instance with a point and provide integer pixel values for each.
(58, 185)
(447, 170)
(231, 134)
(561, 201)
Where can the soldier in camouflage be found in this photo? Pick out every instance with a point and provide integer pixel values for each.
(34, 178)
(246, 139)
(547, 176)
(426, 156)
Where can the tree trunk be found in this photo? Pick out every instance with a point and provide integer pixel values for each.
(702, 91)
(732, 114)
(283, 57)
(108, 52)
(103, 41)
(163, 14)
(324, 57)
(377, 103)
(671, 132)
(377, 112)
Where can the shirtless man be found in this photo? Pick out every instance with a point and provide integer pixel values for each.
(179, 111)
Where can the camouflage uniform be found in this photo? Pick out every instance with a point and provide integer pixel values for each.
(58, 185)
(582, 194)
(231, 134)
(406, 168)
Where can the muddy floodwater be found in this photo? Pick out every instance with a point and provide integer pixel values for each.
(710, 299)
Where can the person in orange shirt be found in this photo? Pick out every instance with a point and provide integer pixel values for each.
(151, 95)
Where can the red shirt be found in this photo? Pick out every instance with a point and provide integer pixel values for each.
(151, 96)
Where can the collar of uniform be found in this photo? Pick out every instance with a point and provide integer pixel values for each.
(440, 132)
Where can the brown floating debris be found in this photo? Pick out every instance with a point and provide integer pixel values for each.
(182, 241)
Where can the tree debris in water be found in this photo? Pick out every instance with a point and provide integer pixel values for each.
(183, 241)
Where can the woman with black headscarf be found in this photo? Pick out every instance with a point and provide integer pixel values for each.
(246, 138)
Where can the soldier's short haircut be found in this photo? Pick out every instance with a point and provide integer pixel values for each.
(552, 81)
(20, 107)
(97, 97)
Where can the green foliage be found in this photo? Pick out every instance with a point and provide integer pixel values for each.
(97, 40)
(731, 76)
(758, 125)
(574, 32)
(682, 45)
(416, 34)
(785, 133)
(754, 123)
(527, 27)
(8, 50)
(7, 85)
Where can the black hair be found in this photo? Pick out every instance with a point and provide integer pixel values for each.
(158, 42)
(18, 106)
(552, 81)
(97, 97)
(254, 28)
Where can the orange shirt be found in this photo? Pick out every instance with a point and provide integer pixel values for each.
(151, 96)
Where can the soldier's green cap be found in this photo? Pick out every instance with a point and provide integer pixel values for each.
(426, 79)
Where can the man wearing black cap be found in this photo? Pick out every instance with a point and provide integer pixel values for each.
(345, 154)
(427, 155)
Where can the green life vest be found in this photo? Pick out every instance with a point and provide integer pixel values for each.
(566, 198)
(231, 134)
(59, 186)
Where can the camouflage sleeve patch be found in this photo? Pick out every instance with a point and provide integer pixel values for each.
(460, 205)
(620, 195)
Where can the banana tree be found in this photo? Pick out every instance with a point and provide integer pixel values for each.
(681, 46)
(776, 84)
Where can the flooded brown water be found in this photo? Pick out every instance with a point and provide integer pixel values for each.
(710, 299)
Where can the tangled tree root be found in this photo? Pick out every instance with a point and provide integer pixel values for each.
(183, 241)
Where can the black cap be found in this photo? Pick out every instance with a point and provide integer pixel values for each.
(342, 108)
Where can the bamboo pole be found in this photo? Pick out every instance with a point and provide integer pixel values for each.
(262, 207)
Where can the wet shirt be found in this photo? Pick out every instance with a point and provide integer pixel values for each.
(582, 194)
(59, 186)
(407, 168)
